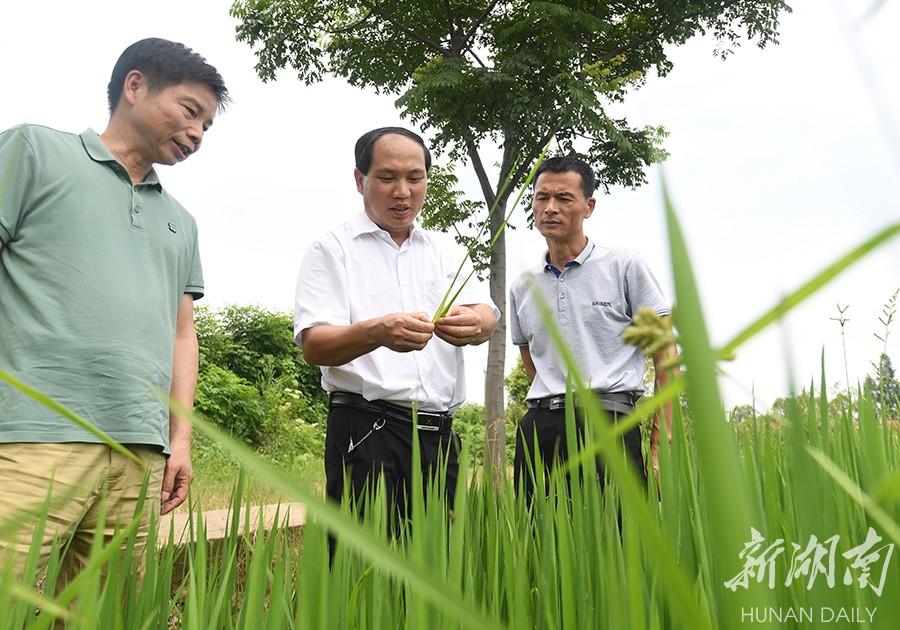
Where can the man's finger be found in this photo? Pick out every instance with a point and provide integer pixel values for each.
(457, 320)
(466, 318)
(456, 336)
(459, 332)
(180, 494)
(466, 331)
(418, 338)
(168, 482)
(171, 500)
(460, 310)
(443, 336)
(418, 325)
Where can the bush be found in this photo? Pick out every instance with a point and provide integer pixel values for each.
(468, 422)
(517, 384)
(255, 384)
(294, 432)
(231, 402)
(257, 345)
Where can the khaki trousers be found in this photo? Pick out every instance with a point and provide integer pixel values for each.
(77, 477)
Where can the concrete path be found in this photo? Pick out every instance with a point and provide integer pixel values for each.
(290, 515)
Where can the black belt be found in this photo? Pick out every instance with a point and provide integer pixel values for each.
(425, 420)
(620, 402)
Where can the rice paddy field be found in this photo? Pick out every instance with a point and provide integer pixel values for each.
(760, 524)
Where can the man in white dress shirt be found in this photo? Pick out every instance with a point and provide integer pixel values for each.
(366, 294)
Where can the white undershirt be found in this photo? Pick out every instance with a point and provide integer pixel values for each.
(358, 272)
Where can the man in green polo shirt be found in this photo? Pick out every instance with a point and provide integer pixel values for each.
(99, 268)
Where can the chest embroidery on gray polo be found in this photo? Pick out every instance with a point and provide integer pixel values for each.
(599, 304)
(172, 228)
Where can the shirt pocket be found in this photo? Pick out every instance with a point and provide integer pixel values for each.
(434, 291)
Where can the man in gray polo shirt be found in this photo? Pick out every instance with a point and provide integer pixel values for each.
(593, 292)
(99, 268)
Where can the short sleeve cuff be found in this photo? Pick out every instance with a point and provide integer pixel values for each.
(312, 322)
(195, 290)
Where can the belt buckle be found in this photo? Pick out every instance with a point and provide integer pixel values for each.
(436, 418)
(557, 402)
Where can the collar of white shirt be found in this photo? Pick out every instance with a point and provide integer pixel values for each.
(362, 224)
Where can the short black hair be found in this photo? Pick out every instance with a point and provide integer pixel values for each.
(366, 142)
(164, 63)
(565, 163)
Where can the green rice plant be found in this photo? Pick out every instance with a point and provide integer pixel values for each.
(577, 555)
(561, 562)
(452, 292)
(810, 287)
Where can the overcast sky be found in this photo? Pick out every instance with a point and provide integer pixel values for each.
(781, 160)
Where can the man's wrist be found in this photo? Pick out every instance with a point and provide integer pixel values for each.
(372, 332)
(179, 434)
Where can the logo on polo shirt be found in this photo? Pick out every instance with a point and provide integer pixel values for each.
(599, 303)
(172, 228)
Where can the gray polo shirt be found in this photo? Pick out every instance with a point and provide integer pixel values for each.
(92, 273)
(594, 300)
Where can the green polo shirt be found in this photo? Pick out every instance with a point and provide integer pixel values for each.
(92, 272)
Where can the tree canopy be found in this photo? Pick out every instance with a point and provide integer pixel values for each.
(515, 74)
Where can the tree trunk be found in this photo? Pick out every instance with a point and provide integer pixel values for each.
(494, 409)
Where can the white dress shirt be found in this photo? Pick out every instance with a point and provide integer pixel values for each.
(358, 272)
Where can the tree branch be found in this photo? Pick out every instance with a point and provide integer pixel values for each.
(662, 30)
(506, 165)
(352, 25)
(472, 150)
(586, 137)
(526, 164)
(449, 11)
(475, 57)
(301, 25)
(410, 32)
(474, 26)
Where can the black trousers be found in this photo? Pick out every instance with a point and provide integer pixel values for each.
(367, 445)
(544, 431)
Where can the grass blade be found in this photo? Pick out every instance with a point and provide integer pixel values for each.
(447, 304)
(810, 287)
(67, 413)
(431, 587)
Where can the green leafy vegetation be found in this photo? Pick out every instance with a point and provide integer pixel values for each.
(254, 384)
(731, 523)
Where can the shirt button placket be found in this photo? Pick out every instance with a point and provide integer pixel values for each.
(405, 280)
(402, 279)
(136, 220)
(563, 311)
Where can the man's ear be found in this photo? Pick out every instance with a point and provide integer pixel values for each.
(360, 180)
(591, 202)
(135, 86)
